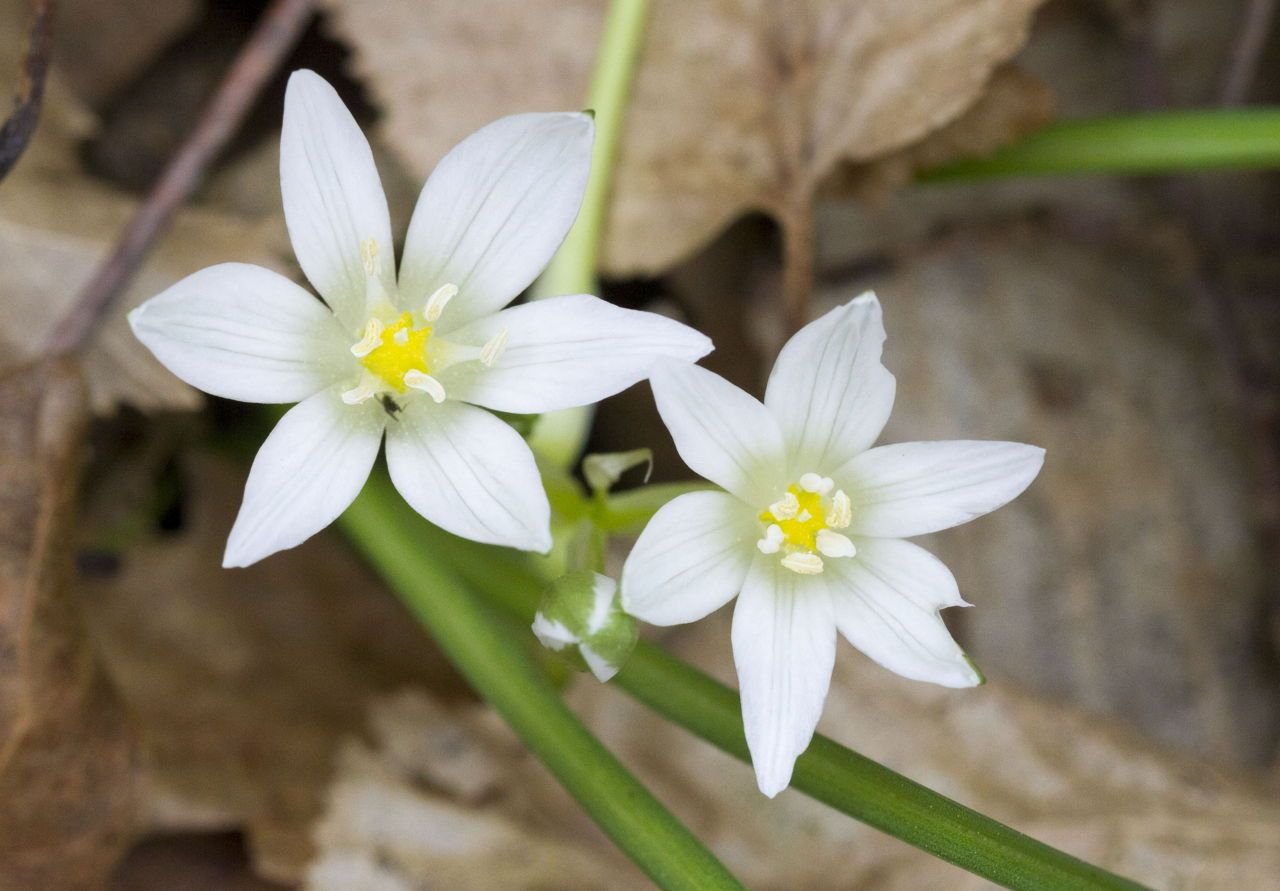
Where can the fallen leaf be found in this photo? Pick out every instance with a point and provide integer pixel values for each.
(404, 812)
(101, 47)
(1014, 104)
(57, 224)
(737, 106)
(67, 752)
(243, 682)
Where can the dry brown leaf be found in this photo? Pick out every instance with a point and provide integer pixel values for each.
(101, 46)
(1014, 104)
(67, 754)
(448, 798)
(243, 682)
(57, 224)
(738, 106)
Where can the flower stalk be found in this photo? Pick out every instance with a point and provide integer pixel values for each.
(494, 660)
(827, 771)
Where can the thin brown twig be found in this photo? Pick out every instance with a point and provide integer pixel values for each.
(16, 131)
(271, 41)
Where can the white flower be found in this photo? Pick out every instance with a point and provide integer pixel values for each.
(411, 354)
(809, 531)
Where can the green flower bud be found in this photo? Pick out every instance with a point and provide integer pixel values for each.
(581, 618)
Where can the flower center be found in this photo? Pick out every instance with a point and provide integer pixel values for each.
(398, 354)
(401, 349)
(802, 524)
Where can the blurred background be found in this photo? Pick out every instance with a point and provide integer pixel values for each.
(168, 724)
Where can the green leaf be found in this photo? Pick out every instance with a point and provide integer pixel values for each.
(1154, 143)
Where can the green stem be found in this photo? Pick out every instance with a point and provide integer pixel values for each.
(560, 436)
(1154, 143)
(573, 270)
(828, 771)
(494, 661)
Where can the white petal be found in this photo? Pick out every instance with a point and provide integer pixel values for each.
(603, 669)
(333, 199)
(307, 472)
(469, 473)
(494, 211)
(690, 560)
(828, 390)
(243, 332)
(886, 603)
(784, 645)
(913, 488)
(721, 432)
(567, 351)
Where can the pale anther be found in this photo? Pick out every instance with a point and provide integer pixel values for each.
(363, 392)
(493, 349)
(369, 258)
(812, 482)
(833, 544)
(370, 341)
(438, 301)
(841, 513)
(803, 563)
(786, 508)
(401, 337)
(416, 380)
(804, 516)
(772, 540)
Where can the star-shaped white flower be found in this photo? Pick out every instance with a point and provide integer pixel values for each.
(809, 532)
(413, 354)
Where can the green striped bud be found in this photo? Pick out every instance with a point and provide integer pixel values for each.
(581, 618)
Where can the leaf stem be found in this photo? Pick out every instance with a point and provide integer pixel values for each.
(828, 771)
(493, 658)
(1151, 143)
